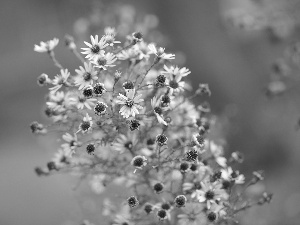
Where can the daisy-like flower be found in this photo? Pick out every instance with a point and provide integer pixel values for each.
(61, 158)
(95, 48)
(110, 40)
(85, 76)
(142, 50)
(130, 103)
(125, 143)
(103, 61)
(175, 84)
(198, 142)
(215, 212)
(60, 80)
(160, 52)
(72, 141)
(234, 176)
(158, 111)
(193, 214)
(56, 101)
(47, 46)
(175, 71)
(100, 108)
(43, 80)
(99, 89)
(139, 162)
(86, 124)
(210, 193)
(82, 102)
(110, 31)
(217, 152)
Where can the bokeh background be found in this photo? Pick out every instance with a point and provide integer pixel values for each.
(235, 63)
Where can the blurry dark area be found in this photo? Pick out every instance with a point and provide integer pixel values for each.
(235, 66)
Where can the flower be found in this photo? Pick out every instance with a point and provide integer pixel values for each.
(132, 201)
(72, 141)
(193, 214)
(86, 124)
(124, 143)
(175, 71)
(82, 102)
(103, 61)
(139, 162)
(60, 80)
(160, 52)
(130, 103)
(234, 176)
(99, 89)
(43, 80)
(210, 193)
(158, 188)
(161, 139)
(180, 201)
(95, 48)
(85, 76)
(46, 46)
(217, 152)
(110, 40)
(100, 108)
(155, 102)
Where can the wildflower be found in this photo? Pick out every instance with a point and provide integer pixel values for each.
(160, 52)
(95, 48)
(160, 80)
(81, 102)
(175, 71)
(124, 143)
(61, 158)
(203, 89)
(137, 37)
(72, 141)
(139, 162)
(87, 92)
(234, 176)
(204, 107)
(85, 76)
(128, 85)
(158, 188)
(210, 193)
(130, 103)
(165, 100)
(161, 139)
(192, 155)
(134, 124)
(148, 208)
(37, 128)
(100, 108)
(60, 80)
(43, 80)
(175, 84)
(90, 149)
(162, 214)
(184, 166)
(257, 176)
(103, 61)
(211, 216)
(69, 41)
(86, 124)
(180, 201)
(46, 46)
(237, 157)
(132, 201)
(158, 110)
(99, 89)
(217, 152)
(110, 40)
(110, 31)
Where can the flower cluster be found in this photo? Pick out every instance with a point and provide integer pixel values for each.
(126, 118)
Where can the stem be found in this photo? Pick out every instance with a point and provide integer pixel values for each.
(56, 63)
(76, 53)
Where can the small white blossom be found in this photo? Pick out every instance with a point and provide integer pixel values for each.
(130, 103)
(103, 61)
(95, 48)
(46, 46)
(160, 52)
(85, 76)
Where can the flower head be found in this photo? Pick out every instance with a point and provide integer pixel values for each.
(103, 61)
(47, 46)
(95, 48)
(85, 76)
(130, 103)
(160, 52)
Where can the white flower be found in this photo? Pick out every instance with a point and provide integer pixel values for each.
(193, 215)
(230, 175)
(130, 103)
(80, 102)
(125, 143)
(60, 80)
(155, 102)
(94, 49)
(175, 71)
(61, 158)
(86, 124)
(103, 61)
(175, 83)
(210, 193)
(160, 52)
(72, 141)
(110, 40)
(217, 152)
(85, 76)
(46, 46)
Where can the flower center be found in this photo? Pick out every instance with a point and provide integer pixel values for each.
(95, 49)
(138, 162)
(101, 62)
(85, 125)
(209, 195)
(129, 103)
(87, 76)
(128, 145)
(173, 84)
(158, 110)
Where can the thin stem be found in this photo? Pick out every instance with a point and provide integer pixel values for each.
(76, 53)
(56, 63)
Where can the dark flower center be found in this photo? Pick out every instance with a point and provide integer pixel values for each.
(184, 166)
(134, 124)
(98, 89)
(90, 148)
(161, 79)
(87, 76)
(88, 92)
(138, 162)
(101, 62)
(162, 213)
(192, 155)
(212, 216)
(128, 85)
(85, 125)
(158, 187)
(193, 167)
(148, 208)
(180, 201)
(128, 145)
(129, 103)
(209, 195)
(95, 49)
(161, 139)
(165, 99)
(173, 84)
(100, 108)
(165, 206)
(158, 110)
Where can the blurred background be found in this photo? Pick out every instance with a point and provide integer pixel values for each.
(223, 45)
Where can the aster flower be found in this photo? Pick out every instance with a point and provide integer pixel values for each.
(85, 76)
(99, 89)
(124, 143)
(234, 176)
(95, 48)
(46, 46)
(110, 40)
(86, 124)
(198, 140)
(100, 108)
(72, 141)
(62, 158)
(175, 84)
(130, 103)
(217, 152)
(103, 61)
(210, 193)
(60, 80)
(175, 71)
(56, 101)
(160, 52)
(139, 162)
(43, 80)
(158, 111)
(82, 102)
